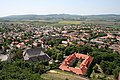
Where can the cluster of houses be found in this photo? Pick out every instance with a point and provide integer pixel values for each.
(32, 39)
(25, 37)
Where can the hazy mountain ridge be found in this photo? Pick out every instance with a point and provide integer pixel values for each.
(109, 17)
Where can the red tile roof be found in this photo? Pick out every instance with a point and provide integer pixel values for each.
(82, 69)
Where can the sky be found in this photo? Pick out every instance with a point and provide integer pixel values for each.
(43, 7)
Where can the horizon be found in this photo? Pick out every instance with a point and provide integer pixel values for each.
(57, 14)
(76, 7)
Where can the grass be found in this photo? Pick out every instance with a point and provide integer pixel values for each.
(61, 75)
(77, 63)
(69, 22)
(102, 76)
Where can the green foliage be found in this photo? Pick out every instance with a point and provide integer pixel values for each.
(60, 47)
(103, 54)
(55, 42)
(39, 68)
(17, 54)
(55, 53)
(89, 70)
(108, 60)
(19, 70)
(107, 67)
(70, 50)
(54, 65)
(116, 72)
(85, 49)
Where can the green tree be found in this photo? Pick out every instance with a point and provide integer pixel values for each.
(70, 50)
(55, 53)
(85, 49)
(116, 72)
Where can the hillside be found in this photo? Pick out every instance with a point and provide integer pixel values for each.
(105, 17)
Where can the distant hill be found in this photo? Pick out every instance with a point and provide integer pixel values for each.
(106, 17)
(42, 17)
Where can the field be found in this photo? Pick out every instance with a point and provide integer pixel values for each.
(69, 22)
(61, 75)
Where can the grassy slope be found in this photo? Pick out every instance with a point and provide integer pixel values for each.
(61, 75)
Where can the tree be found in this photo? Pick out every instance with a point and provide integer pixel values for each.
(107, 67)
(19, 70)
(60, 47)
(39, 68)
(55, 53)
(85, 49)
(70, 50)
(116, 72)
(17, 54)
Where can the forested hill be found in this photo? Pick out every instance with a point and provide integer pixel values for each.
(105, 17)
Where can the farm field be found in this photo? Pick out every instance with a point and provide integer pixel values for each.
(69, 22)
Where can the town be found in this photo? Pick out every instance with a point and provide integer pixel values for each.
(40, 49)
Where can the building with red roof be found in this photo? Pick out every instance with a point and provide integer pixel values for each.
(70, 60)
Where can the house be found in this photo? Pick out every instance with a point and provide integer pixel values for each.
(6, 57)
(35, 54)
(35, 44)
(21, 45)
(70, 60)
(115, 47)
(64, 42)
